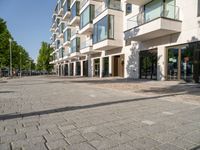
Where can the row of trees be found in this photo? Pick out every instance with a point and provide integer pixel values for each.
(18, 52)
(20, 57)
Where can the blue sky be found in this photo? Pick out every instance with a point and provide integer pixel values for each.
(28, 21)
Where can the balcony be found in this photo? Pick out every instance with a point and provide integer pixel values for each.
(86, 21)
(66, 10)
(75, 17)
(146, 26)
(104, 9)
(67, 37)
(138, 2)
(107, 33)
(86, 47)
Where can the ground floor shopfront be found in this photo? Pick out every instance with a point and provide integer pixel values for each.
(180, 62)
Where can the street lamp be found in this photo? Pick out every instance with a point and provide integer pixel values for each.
(20, 64)
(10, 40)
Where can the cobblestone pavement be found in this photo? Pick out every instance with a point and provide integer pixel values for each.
(46, 113)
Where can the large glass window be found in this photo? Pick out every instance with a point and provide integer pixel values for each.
(75, 10)
(128, 8)
(67, 6)
(75, 45)
(113, 4)
(67, 35)
(87, 16)
(184, 62)
(104, 29)
(148, 64)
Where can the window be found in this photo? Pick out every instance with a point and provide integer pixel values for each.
(67, 35)
(104, 29)
(75, 45)
(75, 10)
(128, 9)
(87, 16)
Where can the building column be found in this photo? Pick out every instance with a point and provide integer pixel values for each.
(110, 65)
(90, 67)
(74, 69)
(101, 67)
(81, 68)
(161, 63)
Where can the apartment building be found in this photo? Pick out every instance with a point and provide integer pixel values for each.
(140, 39)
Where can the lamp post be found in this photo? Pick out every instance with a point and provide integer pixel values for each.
(20, 64)
(10, 40)
(30, 67)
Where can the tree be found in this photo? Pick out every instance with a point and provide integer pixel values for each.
(44, 58)
(16, 50)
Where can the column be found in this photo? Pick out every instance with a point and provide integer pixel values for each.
(74, 68)
(110, 65)
(101, 67)
(81, 68)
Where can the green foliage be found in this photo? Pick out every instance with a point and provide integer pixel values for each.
(15, 48)
(44, 58)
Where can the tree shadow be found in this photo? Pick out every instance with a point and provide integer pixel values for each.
(73, 108)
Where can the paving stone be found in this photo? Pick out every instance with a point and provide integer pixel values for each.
(69, 133)
(36, 133)
(91, 136)
(59, 144)
(167, 146)
(144, 143)
(120, 138)
(103, 143)
(81, 146)
(5, 147)
(8, 138)
(75, 139)
(53, 137)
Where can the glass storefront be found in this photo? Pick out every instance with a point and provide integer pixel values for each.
(184, 62)
(97, 67)
(85, 68)
(148, 64)
(78, 68)
(105, 66)
(66, 70)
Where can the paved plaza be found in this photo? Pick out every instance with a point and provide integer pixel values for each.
(47, 113)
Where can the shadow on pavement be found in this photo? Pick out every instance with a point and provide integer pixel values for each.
(72, 108)
(4, 92)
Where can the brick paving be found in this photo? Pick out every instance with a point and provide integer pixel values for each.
(50, 113)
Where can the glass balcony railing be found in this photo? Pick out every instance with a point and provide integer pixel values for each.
(83, 2)
(86, 44)
(165, 11)
(109, 4)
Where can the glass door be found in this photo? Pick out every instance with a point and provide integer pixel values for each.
(97, 67)
(186, 64)
(173, 61)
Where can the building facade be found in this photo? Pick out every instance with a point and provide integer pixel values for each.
(141, 39)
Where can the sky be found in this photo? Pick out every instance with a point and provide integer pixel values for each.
(29, 22)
